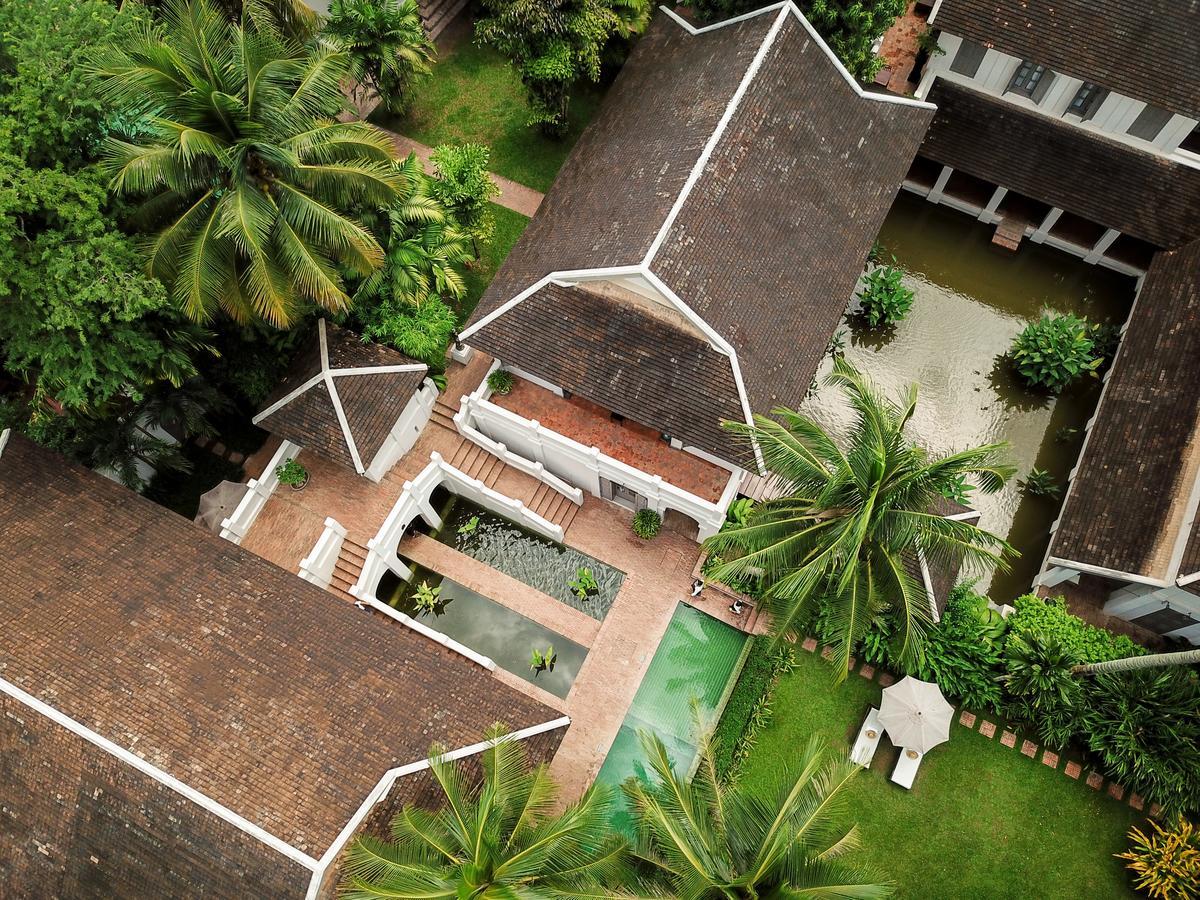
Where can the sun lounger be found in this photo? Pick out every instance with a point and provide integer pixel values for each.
(868, 740)
(906, 768)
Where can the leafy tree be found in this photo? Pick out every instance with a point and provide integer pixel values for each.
(708, 840)
(386, 43)
(252, 186)
(1039, 682)
(465, 188)
(501, 838)
(554, 43)
(852, 515)
(1054, 351)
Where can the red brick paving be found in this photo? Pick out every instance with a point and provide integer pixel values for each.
(967, 719)
(1029, 748)
(826, 652)
(1009, 738)
(1116, 791)
(1094, 780)
(886, 679)
(1050, 759)
(987, 729)
(867, 672)
(1135, 800)
(1073, 769)
(810, 644)
(1155, 810)
(899, 48)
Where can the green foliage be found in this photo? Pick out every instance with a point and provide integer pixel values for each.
(422, 331)
(555, 43)
(291, 473)
(1040, 686)
(253, 187)
(542, 660)
(426, 598)
(884, 298)
(1165, 861)
(646, 523)
(584, 584)
(462, 184)
(1080, 642)
(1040, 483)
(927, 41)
(957, 490)
(469, 526)
(749, 706)
(1055, 350)
(500, 382)
(738, 514)
(387, 45)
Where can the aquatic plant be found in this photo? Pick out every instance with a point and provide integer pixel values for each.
(1040, 483)
(426, 598)
(541, 661)
(1054, 351)
(469, 526)
(584, 584)
(884, 299)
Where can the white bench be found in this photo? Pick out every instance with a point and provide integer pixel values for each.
(906, 768)
(868, 740)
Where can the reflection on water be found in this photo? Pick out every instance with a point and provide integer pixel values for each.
(972, 299)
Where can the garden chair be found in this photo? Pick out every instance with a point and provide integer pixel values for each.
(906, 767)
(868, 740)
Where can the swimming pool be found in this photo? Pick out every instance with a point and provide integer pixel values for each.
(698, 658)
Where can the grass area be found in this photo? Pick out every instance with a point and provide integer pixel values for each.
(475, 95)
(981, 821)
(180, 491)
(509, 226)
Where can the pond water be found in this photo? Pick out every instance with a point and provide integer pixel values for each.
(537, 561)
(972, 299)
(482, 624)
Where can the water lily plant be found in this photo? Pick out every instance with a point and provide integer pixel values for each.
(584, 584)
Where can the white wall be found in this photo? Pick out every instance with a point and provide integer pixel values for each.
(406, 430)
(1134, 600)
(259, 490)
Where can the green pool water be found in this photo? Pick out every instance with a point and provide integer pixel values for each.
(698, 659)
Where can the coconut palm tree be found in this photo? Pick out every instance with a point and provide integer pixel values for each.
(253, 187)
(386, 42)
(853, 515)
(709, 840)
(1131, 663)
(499, 838)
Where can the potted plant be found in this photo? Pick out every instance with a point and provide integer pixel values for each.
(646, 523)
(292, 473)
(584, 585)
(500, 382)
(426, 598)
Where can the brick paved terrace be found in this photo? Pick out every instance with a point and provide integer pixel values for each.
(631, 443)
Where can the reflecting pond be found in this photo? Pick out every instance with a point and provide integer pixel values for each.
(972, 299)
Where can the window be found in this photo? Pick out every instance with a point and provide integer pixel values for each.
(1087, 100)
(1031, 80)
(967, 59)
(1149, 123)
(1191, 143)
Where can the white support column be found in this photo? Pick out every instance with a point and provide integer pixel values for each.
(939, 186)
(1040, 233)
(1056, 576)
(987, 215)
(1106, 241)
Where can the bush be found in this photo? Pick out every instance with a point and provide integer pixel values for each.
(646, 523)
(1165, 862)
(420, 330)
(1082, 642)
(500, 382)
(291, 473)
(1054, 351)
(748, 709)
(884, 298)
(962, 652)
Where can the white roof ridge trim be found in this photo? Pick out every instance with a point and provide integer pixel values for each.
(202, 800)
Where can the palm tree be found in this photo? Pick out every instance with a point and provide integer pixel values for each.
(1130, 663)
(850, 519)
(500, 838)
(709, 840)
(387, 43)
(252, 185)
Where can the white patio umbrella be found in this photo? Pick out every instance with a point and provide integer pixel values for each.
(218, 504)
(915, 714)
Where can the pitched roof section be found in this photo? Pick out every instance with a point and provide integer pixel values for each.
(1111, 183)
(744, 167)
(1145, 49)
(255, 688)
(625, 358)
(1128, 503)
(342, 396)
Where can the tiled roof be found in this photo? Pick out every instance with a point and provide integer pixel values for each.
(1145, 49)
(768, 241)
(1076, 169)
(606, 350)
(1126, 504)
(257, 689)
(372, 399)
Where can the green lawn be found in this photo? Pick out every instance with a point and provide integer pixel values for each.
(475, 95)
(981, 821)
(509, 226)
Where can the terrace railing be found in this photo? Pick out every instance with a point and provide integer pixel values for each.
(259, 491)
(318, 566)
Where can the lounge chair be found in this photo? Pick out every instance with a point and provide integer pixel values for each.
(868, 740)
(906, 768)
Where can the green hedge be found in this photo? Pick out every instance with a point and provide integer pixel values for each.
(752, 685)
(1085, 643)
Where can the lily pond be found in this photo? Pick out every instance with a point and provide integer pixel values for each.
(972, 299)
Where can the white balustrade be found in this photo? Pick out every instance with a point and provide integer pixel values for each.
(259, 491)
(318, 566)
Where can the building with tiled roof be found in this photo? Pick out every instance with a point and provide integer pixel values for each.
(179, 717)
(1129, 524)
(1075, 124)
(354, 402)
(701, 243)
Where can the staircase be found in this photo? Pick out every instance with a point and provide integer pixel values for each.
(544, 500)
(347, 568)
(437, 14)
(552, 506)
(476, 462)
(443, 413)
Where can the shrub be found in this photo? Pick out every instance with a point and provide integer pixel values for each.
(420, 330)
(500, 382)
(1040, 483)
(748, 709)
(884, 298)
(962, 652)
(291, 473)
(1042, 689)
(1080, 641)
(1165, 862)
(1054, 351)
(646, 523)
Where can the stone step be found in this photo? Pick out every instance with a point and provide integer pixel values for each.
(437, 417)
(447, 13)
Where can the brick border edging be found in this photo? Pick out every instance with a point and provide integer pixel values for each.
(1008, 738)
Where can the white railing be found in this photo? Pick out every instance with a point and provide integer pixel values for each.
(318, 566)
(582, 466)
(259, 491)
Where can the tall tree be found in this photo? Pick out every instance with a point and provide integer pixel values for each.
(253, 187)
(1149, 661)
(387, 45)
(852, 516)
(464, 186)
(708, 840)
(499, 838)
(555, 43)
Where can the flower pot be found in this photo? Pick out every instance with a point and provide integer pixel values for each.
(300, 485)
